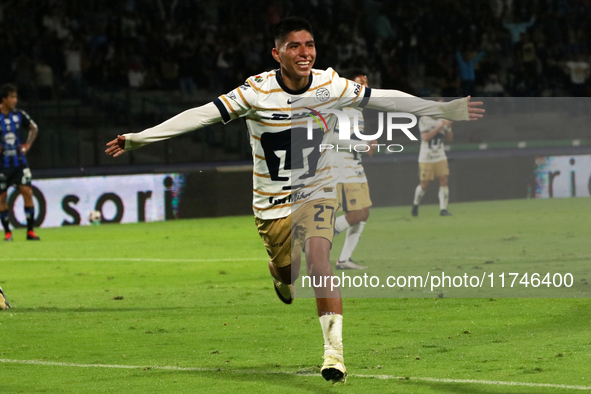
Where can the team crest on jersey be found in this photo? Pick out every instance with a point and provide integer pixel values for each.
(322, 95)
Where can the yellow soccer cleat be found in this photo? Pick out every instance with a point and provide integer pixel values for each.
(333, 368)
(283, 291)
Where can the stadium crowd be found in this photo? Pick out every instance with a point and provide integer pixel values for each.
(443, 47)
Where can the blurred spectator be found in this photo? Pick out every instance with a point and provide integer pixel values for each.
(518, 28)
(24, 74)
(578, 71)
(73, 58)
(187, 67)
(44, 79)
(170, 72)
(493, 87)
(467, 63)
(135, 76)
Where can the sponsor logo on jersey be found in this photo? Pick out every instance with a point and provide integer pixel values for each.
(290, 101)
(292, 198)
(258, 79)
(10, 138)
(232, 95)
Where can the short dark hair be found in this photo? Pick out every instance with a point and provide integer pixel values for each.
(6, 90)
(354, 72)
(290, 24)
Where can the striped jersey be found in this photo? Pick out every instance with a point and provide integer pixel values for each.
(432, 151)
(351, 169)
(286, 129)
(11, 125)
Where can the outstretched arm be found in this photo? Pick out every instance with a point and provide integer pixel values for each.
(184, 122)
(395, 100)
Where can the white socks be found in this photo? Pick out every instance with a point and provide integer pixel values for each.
(341, 224)
(332, 330)
(443, 197)
(419, 193)
(353, 234)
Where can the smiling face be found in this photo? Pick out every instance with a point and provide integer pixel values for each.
(296, 55)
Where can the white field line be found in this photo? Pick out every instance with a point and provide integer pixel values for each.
(382, 377)
(131, 259)
(139, 259)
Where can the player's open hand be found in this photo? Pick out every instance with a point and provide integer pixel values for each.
(372, 147)
(116, 147)
(474, 110)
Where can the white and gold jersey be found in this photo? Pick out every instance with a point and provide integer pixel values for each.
(287, 129)
(350, 167)
(289, 168)
(432, 151)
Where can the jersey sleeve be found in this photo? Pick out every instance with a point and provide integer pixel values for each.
(189, 120)
(25, 120)
(395, 100)
(236, 103)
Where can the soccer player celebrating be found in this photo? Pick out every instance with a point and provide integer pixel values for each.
(294, 188)
(353, 192)
(14, 169)
(433, 161)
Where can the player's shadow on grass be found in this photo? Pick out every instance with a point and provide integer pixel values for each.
(94, 310)
(310, 382)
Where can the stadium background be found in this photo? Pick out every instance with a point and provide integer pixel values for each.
(89, 70)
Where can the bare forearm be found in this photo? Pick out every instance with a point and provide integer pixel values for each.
(33, 130)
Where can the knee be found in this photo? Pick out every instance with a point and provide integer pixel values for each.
(355, 217)
(26, 192)
(365, 215)
(318, 267)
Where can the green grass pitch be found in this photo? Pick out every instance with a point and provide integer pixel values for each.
(188, 307)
